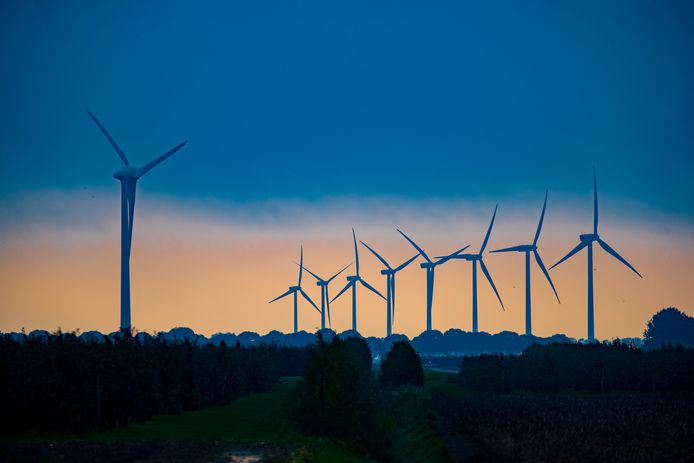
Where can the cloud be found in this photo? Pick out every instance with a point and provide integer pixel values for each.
(88, 214)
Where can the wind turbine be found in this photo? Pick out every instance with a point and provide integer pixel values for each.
(294, 290)
(390, 272)
(475, 258)
(587, 240)
(324, 296)
(352, 281)
(527, 249)
(128, 176)
(430, 267)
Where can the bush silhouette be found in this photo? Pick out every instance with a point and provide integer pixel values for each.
(360, 348)
(334, 398)
(402, 365)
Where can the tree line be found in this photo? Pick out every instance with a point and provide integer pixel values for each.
(596, 367)
(60, 383)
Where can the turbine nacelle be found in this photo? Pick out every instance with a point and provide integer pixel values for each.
(589, 237)
(427, 265)
(526, 248)
(388, 271)
(126, 173)
(294, 288)
(352, 278)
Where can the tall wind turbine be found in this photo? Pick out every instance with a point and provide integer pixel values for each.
(477, 258)
(297, 289)
(430, 266)
(587, 240)
(324, 295)
(352, 281)
(390, 272)
(128, 176)
(527, 249)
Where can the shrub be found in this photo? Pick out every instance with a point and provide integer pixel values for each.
(334, 398)
(402, 365)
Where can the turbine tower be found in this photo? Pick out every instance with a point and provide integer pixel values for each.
(430, 267)
(324, 295)
(587, 240)
(128, 176)
(528, 249)
(294, 290)
(390, 272)
(352, 281)
(477, 258)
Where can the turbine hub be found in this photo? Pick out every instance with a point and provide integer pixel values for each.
(588, 237)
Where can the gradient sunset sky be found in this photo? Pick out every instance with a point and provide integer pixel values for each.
(305, 119)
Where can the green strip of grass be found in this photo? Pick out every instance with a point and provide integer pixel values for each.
(256, 418)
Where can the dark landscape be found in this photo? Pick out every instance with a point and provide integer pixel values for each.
(154, 399)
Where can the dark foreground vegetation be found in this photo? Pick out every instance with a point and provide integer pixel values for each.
(581, 367)
(559, 428)
(384, 415)
(59, 383)
(559, 402)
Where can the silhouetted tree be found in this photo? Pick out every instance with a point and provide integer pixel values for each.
(334, 398)
(669, 327)
(360, 348)
(61, 383)
(402, 365)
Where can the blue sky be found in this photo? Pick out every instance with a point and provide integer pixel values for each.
(306, 100)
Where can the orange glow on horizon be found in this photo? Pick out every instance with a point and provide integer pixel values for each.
(222, 284)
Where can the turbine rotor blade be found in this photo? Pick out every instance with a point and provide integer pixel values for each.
(580, 246)
(281, 296)
(406, 263)
(544, 270)
(301, 264)
(542, 218)
(378, 256)
(327, 305)
(347, 286)
(368, 286)
(392, 298)
(616, 255)
(420, 250)
(309, 300)
(450, 256)
(489, 230)
(491, 282)
(150, 165)
(310, 272)
(132, 186)
(356, 251)
(110, 139)
(511, 249)
(333, 277)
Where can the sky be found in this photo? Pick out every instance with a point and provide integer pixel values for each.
(307, 118)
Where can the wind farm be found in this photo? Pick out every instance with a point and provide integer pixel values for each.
(433, 164)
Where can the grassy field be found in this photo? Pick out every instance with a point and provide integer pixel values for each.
(526, 426)
(257, 424)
